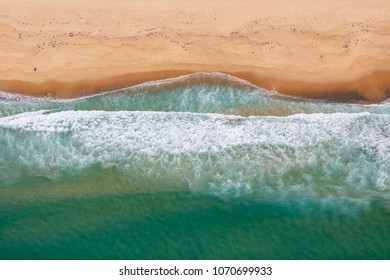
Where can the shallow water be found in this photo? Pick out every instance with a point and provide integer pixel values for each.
(192, 170)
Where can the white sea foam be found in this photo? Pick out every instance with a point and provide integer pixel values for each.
(320, 155)
(198, 92)
(175, 132)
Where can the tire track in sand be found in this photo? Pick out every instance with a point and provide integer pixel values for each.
(249, 29)
(209, 14)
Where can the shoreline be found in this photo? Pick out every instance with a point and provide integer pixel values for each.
(338, 51)
(373, 87)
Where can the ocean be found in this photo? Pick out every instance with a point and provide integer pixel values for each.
(204, 166)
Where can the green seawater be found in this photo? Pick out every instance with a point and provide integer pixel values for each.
(185, 169)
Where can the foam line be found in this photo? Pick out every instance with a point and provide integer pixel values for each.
(331, 155)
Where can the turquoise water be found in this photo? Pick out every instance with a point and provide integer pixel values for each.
(185, 169)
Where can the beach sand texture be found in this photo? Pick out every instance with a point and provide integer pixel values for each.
(203, 166)
(332, 49)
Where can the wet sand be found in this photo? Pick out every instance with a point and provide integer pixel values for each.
(314, 49)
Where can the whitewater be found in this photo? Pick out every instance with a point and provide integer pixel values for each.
(213, 145)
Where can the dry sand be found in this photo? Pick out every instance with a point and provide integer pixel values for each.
(328, 49)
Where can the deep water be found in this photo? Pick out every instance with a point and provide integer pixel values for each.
(205, 166)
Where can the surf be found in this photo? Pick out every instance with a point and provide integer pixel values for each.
(129, 173)
(197, 93)
(306, 155)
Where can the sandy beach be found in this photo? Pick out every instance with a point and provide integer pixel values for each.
(175, 130)
(338, 50)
